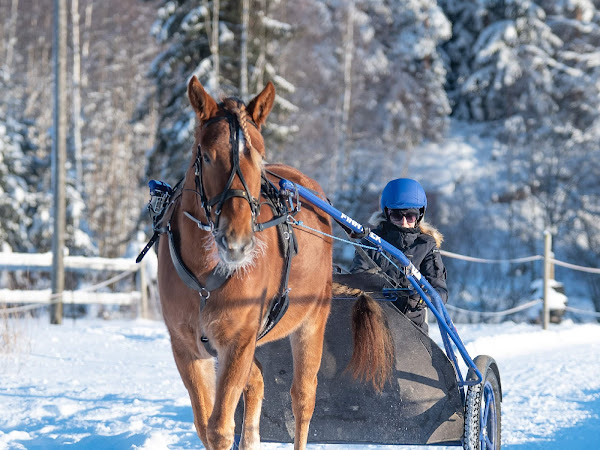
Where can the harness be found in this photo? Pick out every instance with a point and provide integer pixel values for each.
(163, 198)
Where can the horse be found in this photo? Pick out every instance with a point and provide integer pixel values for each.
(221, 270)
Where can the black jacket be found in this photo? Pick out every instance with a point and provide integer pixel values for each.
(421, 246)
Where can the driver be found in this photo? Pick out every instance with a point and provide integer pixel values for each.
(400, 222)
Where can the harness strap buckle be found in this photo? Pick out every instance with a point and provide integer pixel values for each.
(206, 227)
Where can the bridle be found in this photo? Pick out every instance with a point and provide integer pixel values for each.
(235, 137)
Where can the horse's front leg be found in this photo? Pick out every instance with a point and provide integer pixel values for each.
(235, 363)
(253, 398)
(198, 376)
(307, 349)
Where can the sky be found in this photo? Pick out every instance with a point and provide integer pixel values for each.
(112, 384)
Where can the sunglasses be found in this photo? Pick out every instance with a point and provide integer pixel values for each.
(397, 214)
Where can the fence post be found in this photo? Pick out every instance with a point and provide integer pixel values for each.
(143, 288)
(547, 277)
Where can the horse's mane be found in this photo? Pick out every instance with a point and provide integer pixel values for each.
(236, 106)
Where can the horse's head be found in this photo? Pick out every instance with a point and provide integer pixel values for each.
(228, 166)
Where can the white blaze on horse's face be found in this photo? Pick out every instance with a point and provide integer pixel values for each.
(241, 142)
(237, 247)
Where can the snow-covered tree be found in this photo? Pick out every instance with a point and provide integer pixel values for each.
(25, 174)
(21, 206)
(361, 113)
(401, 79)
(114, 144)
(502, 56)
(198, 43)
(398, 45)
(529, 70)
(26, 197)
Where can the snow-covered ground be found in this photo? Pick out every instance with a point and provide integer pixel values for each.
(94, 384)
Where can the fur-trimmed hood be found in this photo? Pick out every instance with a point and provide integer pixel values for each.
(378, 217)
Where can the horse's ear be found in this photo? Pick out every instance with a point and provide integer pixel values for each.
(260, 106)
(201, 101)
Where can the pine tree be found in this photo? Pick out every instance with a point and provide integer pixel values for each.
(369, 116)
(187, 31)
(25, 210)
(526, 69)
(405, 71)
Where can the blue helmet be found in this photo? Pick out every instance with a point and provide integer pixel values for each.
(403, 193)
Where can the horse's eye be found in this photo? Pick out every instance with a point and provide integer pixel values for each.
(205, 158)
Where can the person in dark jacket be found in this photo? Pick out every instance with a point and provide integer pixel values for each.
(400, 222)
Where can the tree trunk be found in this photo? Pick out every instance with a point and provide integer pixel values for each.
(345, 129)
(244, 50)
(340, 154)
(262, 55)
(11, 40)
(85, 48)
(76, 100)
(214, 45)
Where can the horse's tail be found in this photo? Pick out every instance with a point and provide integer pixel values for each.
(373, 354)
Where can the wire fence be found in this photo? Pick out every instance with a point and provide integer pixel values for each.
(491, 261)
(55, 297)
(520, 260)
(527, 305)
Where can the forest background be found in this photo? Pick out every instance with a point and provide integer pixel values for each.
(367, 91)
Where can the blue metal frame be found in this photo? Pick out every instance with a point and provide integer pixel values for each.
(419, 283)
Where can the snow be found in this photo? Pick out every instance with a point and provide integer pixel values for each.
(556, 299)
(113, 384)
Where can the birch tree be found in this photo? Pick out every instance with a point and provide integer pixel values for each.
(10, 40)
(341, 154)
(244, 50)
(76, 114)
(214, 46)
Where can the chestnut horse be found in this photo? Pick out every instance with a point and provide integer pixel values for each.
(213, 228)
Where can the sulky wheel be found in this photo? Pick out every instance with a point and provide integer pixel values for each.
(482, 409)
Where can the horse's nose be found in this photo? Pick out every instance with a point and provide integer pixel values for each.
(236, 248)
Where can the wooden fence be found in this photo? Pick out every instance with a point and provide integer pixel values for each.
(86, 295)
